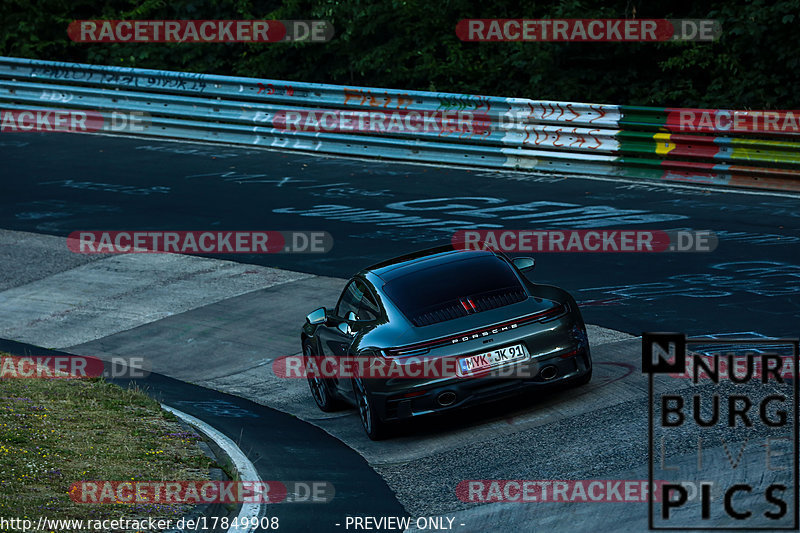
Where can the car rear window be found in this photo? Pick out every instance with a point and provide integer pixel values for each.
(455, 289)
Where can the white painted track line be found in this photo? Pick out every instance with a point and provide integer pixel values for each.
(250, 512)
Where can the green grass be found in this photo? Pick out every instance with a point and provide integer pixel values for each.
(54, 432)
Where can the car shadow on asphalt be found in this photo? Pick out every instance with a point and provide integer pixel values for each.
(505, 409)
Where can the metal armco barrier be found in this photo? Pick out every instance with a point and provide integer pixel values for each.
(664, 144)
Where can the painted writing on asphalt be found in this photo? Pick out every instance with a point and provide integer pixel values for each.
(764, 278)
(561, 214)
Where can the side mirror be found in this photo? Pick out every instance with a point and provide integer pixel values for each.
(317, 316)
(524, 263)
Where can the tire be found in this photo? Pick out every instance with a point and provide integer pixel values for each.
(320, 388)
(374, 427)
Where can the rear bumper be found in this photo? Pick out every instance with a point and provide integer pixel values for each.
(438, 397)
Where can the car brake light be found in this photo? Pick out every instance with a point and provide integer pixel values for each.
(570, 353)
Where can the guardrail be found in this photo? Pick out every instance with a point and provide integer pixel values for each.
(664, 144)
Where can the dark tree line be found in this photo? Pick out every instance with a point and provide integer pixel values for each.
(412, 44)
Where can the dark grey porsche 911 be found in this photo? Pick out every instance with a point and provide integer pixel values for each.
(503, 334)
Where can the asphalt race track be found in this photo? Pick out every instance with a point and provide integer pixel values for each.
(221, 324)
(59, 183)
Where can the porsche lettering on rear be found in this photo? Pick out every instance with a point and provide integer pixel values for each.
(483, 334)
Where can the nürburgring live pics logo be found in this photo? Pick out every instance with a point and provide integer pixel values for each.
(725, 440)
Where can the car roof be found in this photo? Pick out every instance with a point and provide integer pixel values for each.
(422, 259)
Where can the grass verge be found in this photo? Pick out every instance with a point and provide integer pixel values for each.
(54, 432)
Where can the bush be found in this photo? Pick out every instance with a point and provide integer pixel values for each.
(412, 45)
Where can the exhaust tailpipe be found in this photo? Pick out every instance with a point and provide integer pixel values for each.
(446, 398)
(549, 372)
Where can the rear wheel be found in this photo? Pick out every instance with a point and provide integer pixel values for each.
(373, 426)
(321, 389)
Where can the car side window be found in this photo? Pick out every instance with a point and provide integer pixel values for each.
(349, 300)
(368, 309)
(358, 299)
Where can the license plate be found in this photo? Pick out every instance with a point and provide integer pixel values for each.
(496, 358)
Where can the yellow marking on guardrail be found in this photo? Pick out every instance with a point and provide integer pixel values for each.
(663, 145)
